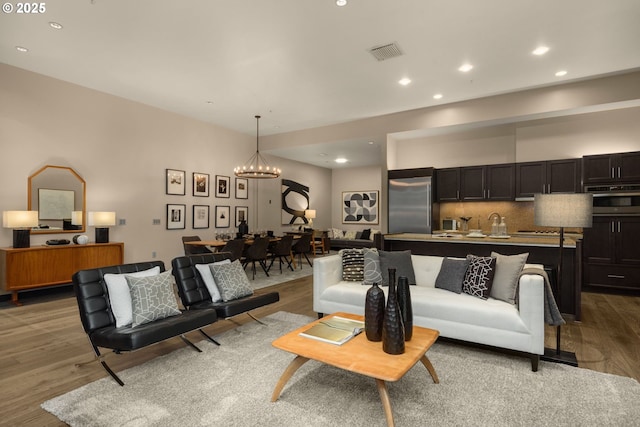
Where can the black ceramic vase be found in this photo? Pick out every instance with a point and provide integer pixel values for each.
(392, 328)
(243, 228)
(404, 302)
(374, 313)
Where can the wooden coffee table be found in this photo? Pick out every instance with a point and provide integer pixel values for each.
(358, 355)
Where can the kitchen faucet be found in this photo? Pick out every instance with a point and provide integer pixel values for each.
(492, 214)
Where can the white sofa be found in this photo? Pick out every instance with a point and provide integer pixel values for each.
(458, 316)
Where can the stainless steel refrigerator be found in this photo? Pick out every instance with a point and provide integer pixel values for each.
(410, 204)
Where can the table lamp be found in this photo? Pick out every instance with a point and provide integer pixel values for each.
(310, 214)
(21, 222)
(562, 210)
(102, 220)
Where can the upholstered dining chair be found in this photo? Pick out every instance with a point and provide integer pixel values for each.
(302, 247)
(194, 249)
(257, 252)
(282, 250)
(235, 247)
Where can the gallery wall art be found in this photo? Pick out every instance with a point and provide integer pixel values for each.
(360, 207)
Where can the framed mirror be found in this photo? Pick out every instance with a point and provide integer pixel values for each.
(56, 192)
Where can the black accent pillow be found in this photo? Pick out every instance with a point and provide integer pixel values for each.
(352, 265)
(366, 234)
(479, 277)
(401, 261)
(451, 275)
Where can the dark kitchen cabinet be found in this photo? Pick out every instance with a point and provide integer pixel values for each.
(611, 252)
(492, 182)
(611, 168)
(552, 176)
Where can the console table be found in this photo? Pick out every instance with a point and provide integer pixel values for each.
(42, 266)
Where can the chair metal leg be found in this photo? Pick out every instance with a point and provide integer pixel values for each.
(208, 337)
(190, 343)
(263, 264)
(256, 319)
(105, 366)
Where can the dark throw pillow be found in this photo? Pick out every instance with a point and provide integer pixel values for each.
(366, 234)
(451, 275)
(479, 276)
(401, 261)
(352, 265)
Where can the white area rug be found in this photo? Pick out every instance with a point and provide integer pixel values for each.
(275, 277)
(231, 385)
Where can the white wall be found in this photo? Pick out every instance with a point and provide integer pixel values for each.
(354, 179)
(122, 148)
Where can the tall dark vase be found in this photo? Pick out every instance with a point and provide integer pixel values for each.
(404, 302)
(374, 313)
(392, 328)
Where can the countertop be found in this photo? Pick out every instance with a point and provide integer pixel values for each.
(542, 241)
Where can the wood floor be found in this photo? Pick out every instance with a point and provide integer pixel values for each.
(42, 341)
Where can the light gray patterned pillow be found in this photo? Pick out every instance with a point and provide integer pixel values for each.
(352, 265)
(372, 271)
(232, 280)
(152, 298)
(479, 276)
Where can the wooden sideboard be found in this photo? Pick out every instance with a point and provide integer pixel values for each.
(41, 266)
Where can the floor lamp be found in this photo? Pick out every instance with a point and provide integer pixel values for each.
(562, 210)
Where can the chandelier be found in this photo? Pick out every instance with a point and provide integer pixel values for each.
(257, 166)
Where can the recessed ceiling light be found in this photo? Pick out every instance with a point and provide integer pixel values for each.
(341, 2)
(370, 142)
(22, 49)
(561, 73)
(55, 25)
(341, 160)
(437, 96)
(465, 68)
(404, 81)
(540, 50)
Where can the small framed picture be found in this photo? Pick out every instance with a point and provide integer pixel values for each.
(242, 188)
(222, 186)
(223, 216)
(242, 213)
(200, 184)
(175, 182)
(176, 216)
(200, 216)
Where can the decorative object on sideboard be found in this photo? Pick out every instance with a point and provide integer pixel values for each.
(374, 313)
(257, 166)
(404, 302)
(21, 222)
(102, 221)
(80, 239)
(562, 210)
(392, 328)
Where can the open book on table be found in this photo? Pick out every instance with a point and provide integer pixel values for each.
(334, 330)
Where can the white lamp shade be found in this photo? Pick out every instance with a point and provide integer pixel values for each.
(563, 210)
(310, 213)
(102, 219)
(19, 219)
(76, 218)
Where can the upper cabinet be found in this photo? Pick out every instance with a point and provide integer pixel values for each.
(492, 182)
(611, 168)
(552, 176)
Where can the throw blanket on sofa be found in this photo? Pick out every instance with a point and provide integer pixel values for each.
(552, 314)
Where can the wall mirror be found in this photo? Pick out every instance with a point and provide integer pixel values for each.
(55, 192)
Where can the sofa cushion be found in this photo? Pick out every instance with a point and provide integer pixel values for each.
(426, 269)
(372, 271)
(505, 280)
(232, 280)
(401, 261)
(120, 296)
(352, 265)
(366, 234)
(452, 274)
(479, 276)
(336, 233)
(152, 298)
(350, 235)
(207, 278)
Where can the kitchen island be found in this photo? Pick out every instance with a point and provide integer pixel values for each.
(542, 250)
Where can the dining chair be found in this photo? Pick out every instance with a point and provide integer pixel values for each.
(317, 242)
(193, 249)
(235, 247)
(302, 247)
(282, 249)
(257, 252)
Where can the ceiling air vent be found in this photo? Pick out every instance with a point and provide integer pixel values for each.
(386, 51)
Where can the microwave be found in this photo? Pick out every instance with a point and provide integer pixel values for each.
(449, 224)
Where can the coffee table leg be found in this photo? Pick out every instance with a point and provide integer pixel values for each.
(386, 402)
(427, 364)
(287, 374)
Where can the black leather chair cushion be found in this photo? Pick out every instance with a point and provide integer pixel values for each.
(194, 294)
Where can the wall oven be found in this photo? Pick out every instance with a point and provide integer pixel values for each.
(620, 200)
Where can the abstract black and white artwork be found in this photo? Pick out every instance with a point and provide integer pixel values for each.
(360, 207)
